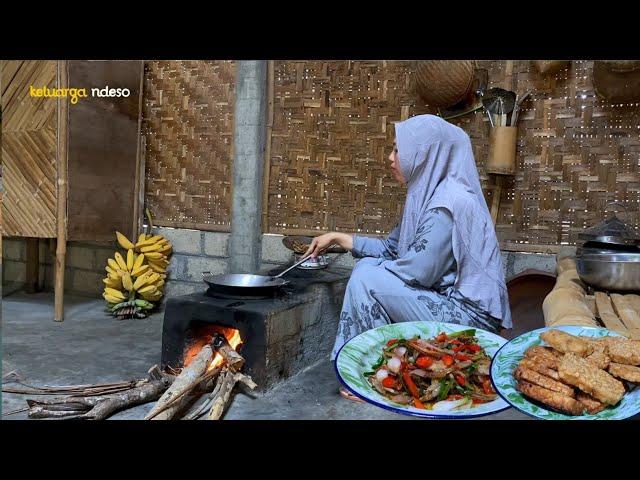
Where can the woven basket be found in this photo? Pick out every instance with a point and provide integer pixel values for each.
(443, 83)
(617, 81)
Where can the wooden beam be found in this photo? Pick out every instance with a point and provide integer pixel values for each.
(61, 211)
(138, 193)
(267, 149)
(33, 264)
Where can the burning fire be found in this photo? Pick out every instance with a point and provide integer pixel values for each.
(204, 338)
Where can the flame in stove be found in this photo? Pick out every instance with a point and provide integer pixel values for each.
(204, 337)
(233, 337)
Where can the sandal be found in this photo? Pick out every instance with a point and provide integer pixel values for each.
(344, 393)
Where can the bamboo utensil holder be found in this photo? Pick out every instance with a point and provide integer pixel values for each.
(502, 151)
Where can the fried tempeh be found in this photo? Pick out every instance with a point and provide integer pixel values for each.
(555, 400)
(531, 376)
(587, 377)
(599, 359)
(627, 372)
(566, 343)
(592, 405)
(623, 350)
(539, 367)
(543, 356)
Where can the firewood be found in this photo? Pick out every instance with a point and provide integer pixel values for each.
(233, 359)
(97, 407)
(189, 378)
(222, 393)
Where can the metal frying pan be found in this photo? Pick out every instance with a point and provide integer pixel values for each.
(244, 282)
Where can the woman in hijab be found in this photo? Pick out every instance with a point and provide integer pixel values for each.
(442, 261)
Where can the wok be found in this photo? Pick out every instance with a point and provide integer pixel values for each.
(249, 283)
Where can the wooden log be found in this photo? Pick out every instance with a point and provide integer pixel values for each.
(233, 359)
(100, 407)
(189, 378)
(61, 209)
(607, 313)
(222, 393)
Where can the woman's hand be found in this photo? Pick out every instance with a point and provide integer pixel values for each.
(325, 241)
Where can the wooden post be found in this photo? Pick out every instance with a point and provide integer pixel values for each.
(33, 264)
(267, 149)
(495, 204)
(61, 211)
(138, 197)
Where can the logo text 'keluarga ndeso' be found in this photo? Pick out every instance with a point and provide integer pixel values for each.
(76, 93)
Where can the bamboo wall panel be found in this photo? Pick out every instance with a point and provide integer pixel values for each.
(188, 128)
(28, 149)
(332, 133)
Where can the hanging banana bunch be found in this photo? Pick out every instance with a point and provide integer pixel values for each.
(135, 281)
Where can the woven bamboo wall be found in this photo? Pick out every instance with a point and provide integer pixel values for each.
(28, 149)
(188, 129)
(332, 133)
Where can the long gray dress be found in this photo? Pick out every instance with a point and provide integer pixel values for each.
(419, 285)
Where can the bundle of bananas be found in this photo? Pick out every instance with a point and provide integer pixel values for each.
(134, 284)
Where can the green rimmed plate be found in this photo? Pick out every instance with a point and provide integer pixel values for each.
(508, 357)
(358, 355)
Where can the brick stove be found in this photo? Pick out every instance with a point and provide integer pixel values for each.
(281, 334)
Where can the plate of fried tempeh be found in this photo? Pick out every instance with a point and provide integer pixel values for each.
(570, 372)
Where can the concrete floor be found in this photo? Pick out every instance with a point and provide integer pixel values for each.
(90, 347)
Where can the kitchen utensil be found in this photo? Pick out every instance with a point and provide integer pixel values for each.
(361, 352)
(491, 101)
(610, 271)
(503, 115)
(248, 282)
(296, 242)
(516, 108)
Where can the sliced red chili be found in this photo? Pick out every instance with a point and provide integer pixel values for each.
(424, 362)
(411, 386)
(391, 342)
(447, 360)
(418, 404)
(389, 382)
(462, 357)
(486, 386)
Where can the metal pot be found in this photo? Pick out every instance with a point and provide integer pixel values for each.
(617, 271)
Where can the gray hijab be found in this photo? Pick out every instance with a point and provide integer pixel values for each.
(437, 161)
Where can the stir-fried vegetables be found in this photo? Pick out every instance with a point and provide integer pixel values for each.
(447, 372)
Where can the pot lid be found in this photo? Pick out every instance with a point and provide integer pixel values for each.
(612, 230)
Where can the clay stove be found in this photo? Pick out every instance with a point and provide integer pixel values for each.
(280, 334)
